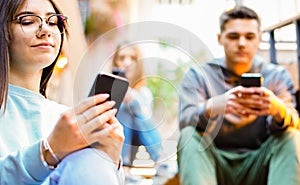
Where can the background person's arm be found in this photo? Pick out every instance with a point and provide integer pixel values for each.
(192, 100)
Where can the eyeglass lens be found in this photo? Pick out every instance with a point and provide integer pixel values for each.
(34, 23)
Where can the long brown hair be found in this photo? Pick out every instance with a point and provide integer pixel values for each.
(138, 80)
(8, 9)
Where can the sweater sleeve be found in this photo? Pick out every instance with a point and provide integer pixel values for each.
(282, 85)
(192, 99)
(23, 167)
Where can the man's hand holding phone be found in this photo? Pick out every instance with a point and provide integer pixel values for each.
(251, 80)
(246, 95)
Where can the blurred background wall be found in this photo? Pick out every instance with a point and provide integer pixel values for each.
(89, 19)
(95, 25)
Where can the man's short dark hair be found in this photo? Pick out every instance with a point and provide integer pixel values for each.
(238, 12)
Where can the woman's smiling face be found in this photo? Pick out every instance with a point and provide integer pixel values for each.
(33, 51)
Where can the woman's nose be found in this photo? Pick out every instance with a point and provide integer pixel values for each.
(127, 61)
(43, 30)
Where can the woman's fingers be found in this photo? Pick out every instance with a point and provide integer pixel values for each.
(98, 122)
(110, 133)
(90, 102)
(95, 111)
(116, 131)
(110, 140)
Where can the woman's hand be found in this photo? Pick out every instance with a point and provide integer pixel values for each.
(91, 121)
(112, 141)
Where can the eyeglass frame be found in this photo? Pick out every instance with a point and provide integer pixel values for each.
(60, 27)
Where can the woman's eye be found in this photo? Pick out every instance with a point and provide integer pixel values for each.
(134, 58)
(121, 58)
(52, 23)
(27, 22)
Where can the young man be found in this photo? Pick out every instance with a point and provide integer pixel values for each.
(232, 134)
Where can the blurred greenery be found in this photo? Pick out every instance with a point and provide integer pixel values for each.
(164, 86)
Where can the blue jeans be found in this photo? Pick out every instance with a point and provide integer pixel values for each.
(138, 130)
(89, 167)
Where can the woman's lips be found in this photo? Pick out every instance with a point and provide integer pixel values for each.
(43, 44)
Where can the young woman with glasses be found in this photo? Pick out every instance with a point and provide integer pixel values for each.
(43, 142)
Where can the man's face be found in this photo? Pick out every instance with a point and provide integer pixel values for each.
(240, 39)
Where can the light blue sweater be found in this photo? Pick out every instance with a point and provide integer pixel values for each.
(28, 117)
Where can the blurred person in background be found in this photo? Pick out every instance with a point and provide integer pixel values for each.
(231, 134)
(41, 141)
(136, 110)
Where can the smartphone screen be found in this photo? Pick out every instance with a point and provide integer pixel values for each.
(113, 85)
(251, 80)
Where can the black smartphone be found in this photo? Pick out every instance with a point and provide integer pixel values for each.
(251, 80)
(111, 84)
(119, 72)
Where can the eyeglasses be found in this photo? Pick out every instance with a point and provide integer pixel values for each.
(31, 23)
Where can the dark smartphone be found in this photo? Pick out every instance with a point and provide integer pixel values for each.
(119, 72)
(111, 84)
(251, 80)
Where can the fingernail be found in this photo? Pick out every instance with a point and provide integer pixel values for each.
(112, 103)
(113, 111)
(104, 95)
